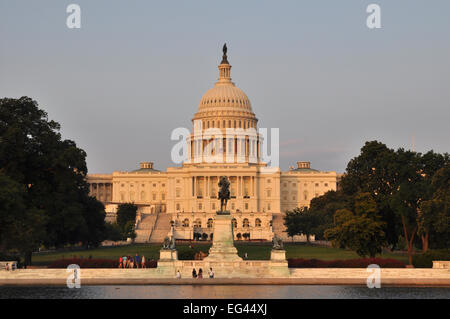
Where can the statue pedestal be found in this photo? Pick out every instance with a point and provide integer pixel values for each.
(278, 264)
(166, 262)
(278, 254)
(168, 254)
(223, 248)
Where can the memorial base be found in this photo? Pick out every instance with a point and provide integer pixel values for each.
(278, 263)
(223, 244)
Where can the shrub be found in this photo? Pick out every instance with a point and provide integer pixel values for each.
(426, 260)
(93, 263)
(349, 263)
(186, 254)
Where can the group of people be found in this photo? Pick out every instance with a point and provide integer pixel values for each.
(198, 275)
(130, 262)
(12, 267)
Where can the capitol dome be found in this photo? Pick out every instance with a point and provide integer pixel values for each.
(225, 105)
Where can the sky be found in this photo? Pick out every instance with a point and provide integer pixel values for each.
(136, 70)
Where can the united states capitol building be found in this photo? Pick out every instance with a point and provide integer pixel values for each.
(183, 200)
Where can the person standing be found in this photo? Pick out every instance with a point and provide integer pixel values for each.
(194, 273)
(200, 273)
(178, 274)
(143, 262)
(131, 262)
(124, 262)
(120, 262)
(137, 261)
(211, 273)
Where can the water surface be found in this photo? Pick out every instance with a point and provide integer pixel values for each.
(227, 292)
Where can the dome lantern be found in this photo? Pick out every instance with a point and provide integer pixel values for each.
(224, 67)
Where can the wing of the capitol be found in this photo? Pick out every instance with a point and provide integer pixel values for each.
(183, 200)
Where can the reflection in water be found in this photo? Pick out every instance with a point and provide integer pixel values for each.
(227, 292)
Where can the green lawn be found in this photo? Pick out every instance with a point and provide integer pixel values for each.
(255, 251)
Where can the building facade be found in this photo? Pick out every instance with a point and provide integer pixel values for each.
(224, 142)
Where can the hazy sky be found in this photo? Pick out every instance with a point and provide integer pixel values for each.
(137, 69)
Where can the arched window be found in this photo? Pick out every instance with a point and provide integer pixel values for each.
(257, 222)
(210, 223)
(198, 223)
(234, 222)
(245, 223)
(186, 223)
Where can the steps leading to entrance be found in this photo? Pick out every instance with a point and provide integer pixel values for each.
(161, 229)
(144, 228)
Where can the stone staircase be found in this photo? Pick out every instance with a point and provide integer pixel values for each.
(279, 229)
(144, 228)
(162, 228)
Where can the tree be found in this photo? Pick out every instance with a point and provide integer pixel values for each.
(399, 181)
(374, 172)
(113, 232)
(414, 173)
(300, 221)
(434, 214)
(52, 174)
(125, 213)
(20, 228)
(129, 230)
(323, 209)
(360, 230)
(291, 224)
(94, 217)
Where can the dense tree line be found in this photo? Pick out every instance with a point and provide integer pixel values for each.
(124, 227)
(384, 196)
(44, 197)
